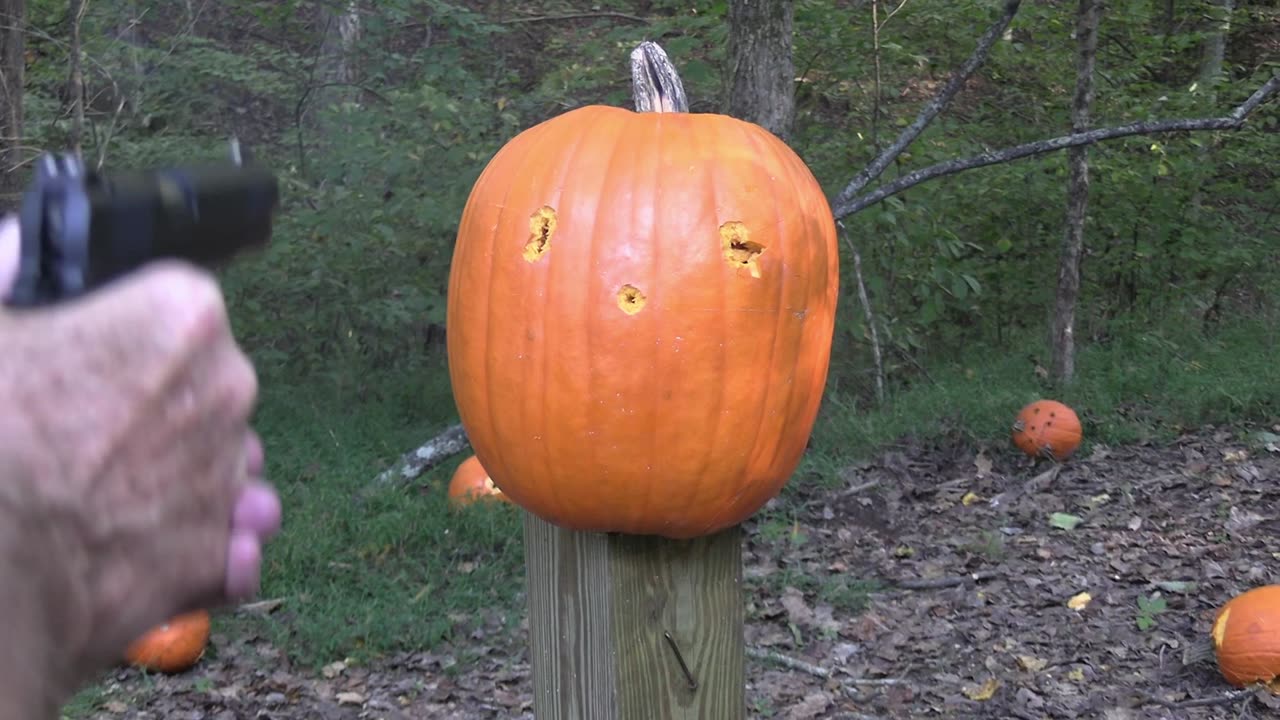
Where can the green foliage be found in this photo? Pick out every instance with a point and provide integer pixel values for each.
(1149, 610)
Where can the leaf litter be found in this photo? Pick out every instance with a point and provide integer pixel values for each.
(997, 589)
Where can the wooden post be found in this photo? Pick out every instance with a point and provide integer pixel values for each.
(628, 627)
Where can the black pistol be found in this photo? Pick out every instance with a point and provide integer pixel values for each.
(82, 229)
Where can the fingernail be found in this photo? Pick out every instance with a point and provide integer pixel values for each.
(244, 565)
(257, 511)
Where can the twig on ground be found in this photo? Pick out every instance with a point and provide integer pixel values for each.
(1226, 699)
(788, 662)
(940, 583)
(848, 683)
(260, 606)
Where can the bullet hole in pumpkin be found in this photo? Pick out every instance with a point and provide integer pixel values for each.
(739, 250)
(542, 224)
(630, 299)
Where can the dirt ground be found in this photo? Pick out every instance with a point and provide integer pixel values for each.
(978, 613)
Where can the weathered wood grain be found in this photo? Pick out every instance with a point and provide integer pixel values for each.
(615, 621)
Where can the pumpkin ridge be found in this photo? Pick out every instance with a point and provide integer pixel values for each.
(659, 466)
(720, 436)
(597, 287)
(750, 488)
(588, 232)
(497, 253)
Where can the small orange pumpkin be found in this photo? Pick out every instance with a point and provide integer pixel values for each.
(1047, 428)
(471, 482)
(172, 647)
(1246, 637)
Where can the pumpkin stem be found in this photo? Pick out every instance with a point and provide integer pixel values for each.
(655, 84)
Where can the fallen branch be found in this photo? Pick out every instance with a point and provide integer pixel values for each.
(1226, 699)
(819, 671)
(949, 581)
(1233, 121)
(450, 441)
(815, 670)
(788, 662)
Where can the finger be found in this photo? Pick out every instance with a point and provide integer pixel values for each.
(10, 247)
(257, 511)
(244, 565)
(255, 456)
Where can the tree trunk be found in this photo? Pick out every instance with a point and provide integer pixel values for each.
(1064, 316)
(75, 79)
(13, 15)
(1214, 50)
(337, 63)
(132, 84)
(761, 70)
(1213, 53)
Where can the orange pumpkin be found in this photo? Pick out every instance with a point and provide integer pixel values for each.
(172, 647)
(1047, 428)
(471, 483)
(1246, 636)
(640, 314)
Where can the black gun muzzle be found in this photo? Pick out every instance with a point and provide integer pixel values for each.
(82, 229)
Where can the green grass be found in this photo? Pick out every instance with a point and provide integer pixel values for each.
(400, 569)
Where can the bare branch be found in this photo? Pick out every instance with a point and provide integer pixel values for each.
(1234, 121)
(931, 108)
(867, 313)
(612, 15)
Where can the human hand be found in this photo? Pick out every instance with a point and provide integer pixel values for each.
(142, 494)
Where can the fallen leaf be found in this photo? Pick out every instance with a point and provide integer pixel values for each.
(798, 611)
(985, 692)
(813, 705)
(982, 464)
(1234, 456)
(1033, 664)
(1065, 521)
(349, 698)
(969, 499)
(1238, 519)
(1076, 675)
(333, 669)
(1079, 601)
